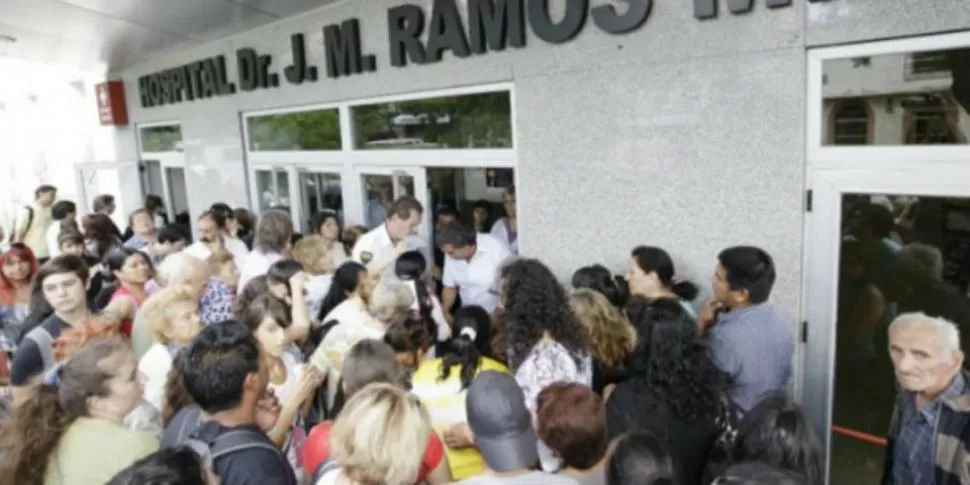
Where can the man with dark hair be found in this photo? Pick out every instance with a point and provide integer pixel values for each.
(63, 281)
(749, 338)
(33, 222)
(214, 233)
(64, 215)
(171, 239)
(177, 466)
(224, 373)
(472, 264)
(105, 204)
(379, 247)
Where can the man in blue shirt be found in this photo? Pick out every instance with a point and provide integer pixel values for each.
(750, 339)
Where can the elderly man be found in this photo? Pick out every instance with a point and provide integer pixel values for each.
(215, 298)
(929, 434)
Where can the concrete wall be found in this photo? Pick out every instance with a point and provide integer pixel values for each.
(686, 134)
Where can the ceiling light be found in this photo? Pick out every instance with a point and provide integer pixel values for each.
(7, 39)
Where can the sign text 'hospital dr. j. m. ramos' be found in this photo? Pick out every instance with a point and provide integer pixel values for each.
(493, 25)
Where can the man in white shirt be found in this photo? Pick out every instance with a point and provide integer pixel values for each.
(472, 265)
(213, 236)
(380, 247)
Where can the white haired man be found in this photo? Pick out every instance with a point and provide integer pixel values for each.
(930, 430)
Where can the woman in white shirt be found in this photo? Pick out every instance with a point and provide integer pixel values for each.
(291, 381)
(274, 230)
(173, 318)
(506, 229)
(313, 253)
(326, 224)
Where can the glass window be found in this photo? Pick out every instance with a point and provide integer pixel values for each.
(321, 191)
(915, 98)
(900, 254)
(482, 120)
(304, 130)
(378, 196)
(273, 187)
(160, 138)
(850, 123)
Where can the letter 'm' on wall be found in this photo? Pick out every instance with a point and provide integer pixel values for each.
(405, 23)
(493, 24)
(342, 45)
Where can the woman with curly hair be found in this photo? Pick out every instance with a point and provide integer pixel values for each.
(545, 340)
(674, 389)
(611, 336)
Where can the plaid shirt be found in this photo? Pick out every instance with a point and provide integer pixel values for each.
(915, 451)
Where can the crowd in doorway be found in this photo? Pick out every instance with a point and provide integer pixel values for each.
(247, 353)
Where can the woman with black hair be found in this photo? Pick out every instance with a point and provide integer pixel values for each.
(441, 383)
(640, 458)
(482, 216)
(673, 387)
(775, 431)
(132, 271)
(411, 267)
(542, 338)
(596, 277)
(327, 225)
(348, 286)
(651, 275)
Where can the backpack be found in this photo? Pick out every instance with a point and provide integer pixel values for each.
(210, 442)
(45, 345)
(30, 222)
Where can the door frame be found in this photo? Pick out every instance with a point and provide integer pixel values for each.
(419, 176)
(832, 171)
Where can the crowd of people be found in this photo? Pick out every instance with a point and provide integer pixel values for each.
(256, 355)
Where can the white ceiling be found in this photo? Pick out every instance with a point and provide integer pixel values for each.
(107, 35)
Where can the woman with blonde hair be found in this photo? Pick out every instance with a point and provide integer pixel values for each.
(610, 334)
(375, 437)
(313, 253)
(173, 318)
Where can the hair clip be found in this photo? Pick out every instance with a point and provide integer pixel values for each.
(469, 332)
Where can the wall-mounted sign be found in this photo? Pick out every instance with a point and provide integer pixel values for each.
(112, 109)
(492, 26)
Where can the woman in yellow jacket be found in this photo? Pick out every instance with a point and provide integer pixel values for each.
(441, 383)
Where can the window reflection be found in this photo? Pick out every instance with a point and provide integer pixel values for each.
(304, 130)
(471, 121)
(899, 254)
(160, 138)
(917, 98)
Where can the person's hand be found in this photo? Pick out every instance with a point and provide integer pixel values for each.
(267, 411)
(459, 436)
(708, 315)
(401, 247)
(309, 382)
(298, 281)
(436, 272)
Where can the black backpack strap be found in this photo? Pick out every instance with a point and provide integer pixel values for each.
(190, 422)
(239, 440)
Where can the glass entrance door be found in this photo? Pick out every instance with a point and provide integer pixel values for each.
(319, 190)
(380, 186)
(882, 244)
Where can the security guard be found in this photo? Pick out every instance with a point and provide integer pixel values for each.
(379, 248)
